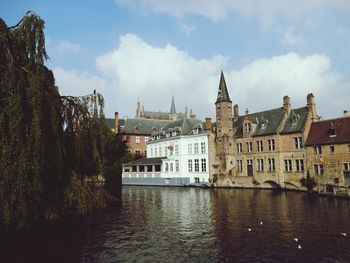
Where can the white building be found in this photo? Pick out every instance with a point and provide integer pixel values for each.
(181, 150)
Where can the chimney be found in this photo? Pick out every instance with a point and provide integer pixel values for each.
(235, 112)
(116, 122)
(286, 104)
(246, 111)
(208, 125)
(346, 113)
(311, 106)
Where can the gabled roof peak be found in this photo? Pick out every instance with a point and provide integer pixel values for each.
(222, 92)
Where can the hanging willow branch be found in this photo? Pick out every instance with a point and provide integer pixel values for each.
(49, 144)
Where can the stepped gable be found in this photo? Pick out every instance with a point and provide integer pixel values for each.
(320, 132)
(222, 92)
(143, 126)
(267, 122)
(295, 121)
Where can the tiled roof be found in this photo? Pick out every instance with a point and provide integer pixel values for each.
(142, 126)
(146, 161)
(110, 122)
(223, 93)
(270, 119)
(156, 115)
(295, 121)
(187, 125)
(319, 132)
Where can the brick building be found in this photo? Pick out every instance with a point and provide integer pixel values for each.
(263, 149)
(328, 153)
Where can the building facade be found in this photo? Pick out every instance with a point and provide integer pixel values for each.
(182, 153)
(328, 154)
(263, 149)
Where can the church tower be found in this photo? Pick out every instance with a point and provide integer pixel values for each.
(224, 130)
(172, 114)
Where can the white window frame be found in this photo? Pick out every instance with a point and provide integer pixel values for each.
(195, 148)
(298, 143)
(271, 145)
(272, 165)
(260, 146)
(204, 165)
(239, 147)
(249, 147)
(260, 165)
(189, 148)
(137, 139)
(203, 147)
(288, 165)
(239, 165)
(196, 165)
(190, 166)
(299, 163)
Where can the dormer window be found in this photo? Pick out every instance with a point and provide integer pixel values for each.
(248, 127)
(136, 129)
(294, 118)
(332, 131)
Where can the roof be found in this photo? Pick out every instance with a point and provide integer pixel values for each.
(268, 122)
(186, 125)
(146, 161)
(110, 122)
(319, 132)
(270, 119)
(295, 121)
(142, 126)
(223, 93)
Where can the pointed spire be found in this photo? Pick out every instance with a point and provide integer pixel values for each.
(223, 93)
(172, 108)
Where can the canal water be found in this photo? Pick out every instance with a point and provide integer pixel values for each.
(160, 224)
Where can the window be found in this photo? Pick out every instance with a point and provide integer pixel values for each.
(165, 151)
(176, 149)
(190, 166)
(332, 132)
(249, 162)
(171, 167)
(298, 141)
(346, 166)
(299, 165)
(160, 152)
(195, 148)
(349, 148)
(271, 145)
(146, 138)
(177, 166)
(239, 165)
(204, 165)
(247, 127)
(249, 147)
(260, 146)
(166, 167)
(331, 148)
(137, 139)
(288, 165)
(318, 169)
(272, 166)
(202, 147)
(318, 149)
(239, 147)
(260, 166)
(196, 165)
(190, 148)
(155, 152)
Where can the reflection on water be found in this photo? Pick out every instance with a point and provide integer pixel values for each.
(155, 224)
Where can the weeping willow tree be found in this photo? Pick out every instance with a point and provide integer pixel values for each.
(49, 144)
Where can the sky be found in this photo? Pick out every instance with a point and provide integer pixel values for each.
(151, 50)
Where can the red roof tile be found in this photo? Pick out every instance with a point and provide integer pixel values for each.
(319, 132)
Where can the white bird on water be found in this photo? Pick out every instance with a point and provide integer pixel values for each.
(299, 247)
(249, 229)
(296, 239)
(343, 234)
(261, 222)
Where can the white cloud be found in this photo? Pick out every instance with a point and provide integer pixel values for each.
(78, 83)
(136, 69)
(67, 46)
(188, 29)
(262, 84)
(267, 11)
(290, 37)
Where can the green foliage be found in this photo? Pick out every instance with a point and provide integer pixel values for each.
(48, 143)
(308, 182)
